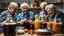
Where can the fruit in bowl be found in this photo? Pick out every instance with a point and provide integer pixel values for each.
(31, 32)
(26, 30)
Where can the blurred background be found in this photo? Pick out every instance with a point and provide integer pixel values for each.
(59, 4)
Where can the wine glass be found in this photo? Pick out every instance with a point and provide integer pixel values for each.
(57, 25)
(49, 24)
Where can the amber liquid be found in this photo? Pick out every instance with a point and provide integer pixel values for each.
(50, 24)
(57, 28)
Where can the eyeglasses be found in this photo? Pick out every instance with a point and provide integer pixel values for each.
(14, 8)
(24, 8)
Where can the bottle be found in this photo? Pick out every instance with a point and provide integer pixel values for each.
(37, 22)
(31, 5)
(31, 31)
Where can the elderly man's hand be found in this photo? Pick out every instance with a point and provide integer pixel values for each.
(21, 22)
(45, 18)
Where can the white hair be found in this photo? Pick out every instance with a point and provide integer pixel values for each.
(12, 4)
(51, 6)
(24, 4)
(46, 7)
(43, 3)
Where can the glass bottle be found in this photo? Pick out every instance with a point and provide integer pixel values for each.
(37, 22)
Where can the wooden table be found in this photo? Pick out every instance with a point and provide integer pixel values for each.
(26, 34)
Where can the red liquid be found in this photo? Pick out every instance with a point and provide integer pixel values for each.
(44, 25)
(4, 25)
(26, 22)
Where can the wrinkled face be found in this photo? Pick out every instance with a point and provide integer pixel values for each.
(25, 9)
(13, 10)
(43, 7)
(51, 12)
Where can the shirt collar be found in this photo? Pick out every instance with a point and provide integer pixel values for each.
(24, 14)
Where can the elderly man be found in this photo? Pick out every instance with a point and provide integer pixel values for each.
(54, 14)
(43, 13)
(25, 14)
(11, 13)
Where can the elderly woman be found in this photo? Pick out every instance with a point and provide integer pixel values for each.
(8, 14)
(43, 12)
(25, 14)
(54, 14)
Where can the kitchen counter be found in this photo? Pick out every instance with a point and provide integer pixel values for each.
(26, 34)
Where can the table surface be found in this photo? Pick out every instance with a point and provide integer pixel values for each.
(26, 34)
